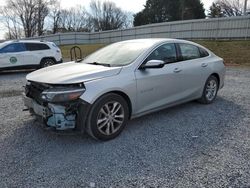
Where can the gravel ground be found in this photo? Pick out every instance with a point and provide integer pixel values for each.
(191, 145)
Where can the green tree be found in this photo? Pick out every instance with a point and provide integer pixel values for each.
(157, 11)
(192, 9)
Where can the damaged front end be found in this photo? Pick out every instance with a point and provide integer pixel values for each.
(57, 104)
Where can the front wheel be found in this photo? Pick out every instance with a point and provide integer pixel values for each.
(108, 117)
(210, 90)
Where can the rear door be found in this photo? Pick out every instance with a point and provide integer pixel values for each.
(37, 51)
(192, 71)
(12, 55)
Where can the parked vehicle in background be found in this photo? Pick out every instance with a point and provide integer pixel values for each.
(122, 81)
(23, 54)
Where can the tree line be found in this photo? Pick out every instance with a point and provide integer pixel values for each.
(27, 18)
(226, 8)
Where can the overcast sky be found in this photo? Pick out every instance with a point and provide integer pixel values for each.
(128, 5)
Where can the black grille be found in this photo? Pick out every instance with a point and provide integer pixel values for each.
(34, 90)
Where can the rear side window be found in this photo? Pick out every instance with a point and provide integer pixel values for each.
(189, 51)
(203, 52)
(12, 48)
(36, 46)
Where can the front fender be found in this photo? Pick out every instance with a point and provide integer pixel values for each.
(96, 88)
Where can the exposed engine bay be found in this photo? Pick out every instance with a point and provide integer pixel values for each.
(56, 104)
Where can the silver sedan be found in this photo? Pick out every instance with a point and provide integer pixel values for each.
(122, 81)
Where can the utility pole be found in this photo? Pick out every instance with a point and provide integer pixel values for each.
(245, 8)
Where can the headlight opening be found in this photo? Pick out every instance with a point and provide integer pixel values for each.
(62, 94)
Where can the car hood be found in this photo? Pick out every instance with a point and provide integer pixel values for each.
(71, 72)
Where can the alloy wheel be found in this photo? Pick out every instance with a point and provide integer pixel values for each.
(48, 63)
(211, 90)
(110, 118)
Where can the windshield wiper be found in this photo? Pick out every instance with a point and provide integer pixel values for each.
(103, 64)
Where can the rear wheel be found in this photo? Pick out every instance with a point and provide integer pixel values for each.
(210, 90)
(108, 117)
(47, 62)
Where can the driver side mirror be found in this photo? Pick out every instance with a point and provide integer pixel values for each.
(153, 64)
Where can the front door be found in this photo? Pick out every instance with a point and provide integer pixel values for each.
(158, 87)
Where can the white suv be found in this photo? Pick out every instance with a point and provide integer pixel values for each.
(28, 54)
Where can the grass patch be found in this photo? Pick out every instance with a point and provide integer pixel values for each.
(233, 52)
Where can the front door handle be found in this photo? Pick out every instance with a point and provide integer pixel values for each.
(204, 64)
(177, 70)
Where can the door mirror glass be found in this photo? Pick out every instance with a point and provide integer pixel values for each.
(153, 64)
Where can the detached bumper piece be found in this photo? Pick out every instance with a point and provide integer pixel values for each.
(53, 115)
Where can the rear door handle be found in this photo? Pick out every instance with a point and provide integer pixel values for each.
(177, 70)
(204, 64)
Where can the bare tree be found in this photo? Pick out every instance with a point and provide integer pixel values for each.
(12, 24)
(77, 18)
(28, 17)
(42, 12)
(245, 7)
(106, 16)
(74, 19)
(25, 10)
(55, 15)
(30, 13)
(231, 7)
(215, 11)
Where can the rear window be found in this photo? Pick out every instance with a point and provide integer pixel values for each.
(36, 46)
(203, 52)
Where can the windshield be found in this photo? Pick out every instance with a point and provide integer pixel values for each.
(3, 44)
(119, 54)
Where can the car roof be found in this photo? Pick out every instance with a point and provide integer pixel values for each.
(30, 41)
(155, 41)
(159, 41)
(3, 44)
(23, 41)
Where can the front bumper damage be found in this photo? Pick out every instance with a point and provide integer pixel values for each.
(53, 115)
(59, 116)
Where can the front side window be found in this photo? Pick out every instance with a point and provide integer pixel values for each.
(12, 48)
(166, 53)
(36, 46)
(189, 51)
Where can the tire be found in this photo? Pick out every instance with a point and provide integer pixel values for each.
(107, 117)
(46, 62)
(210, 90)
